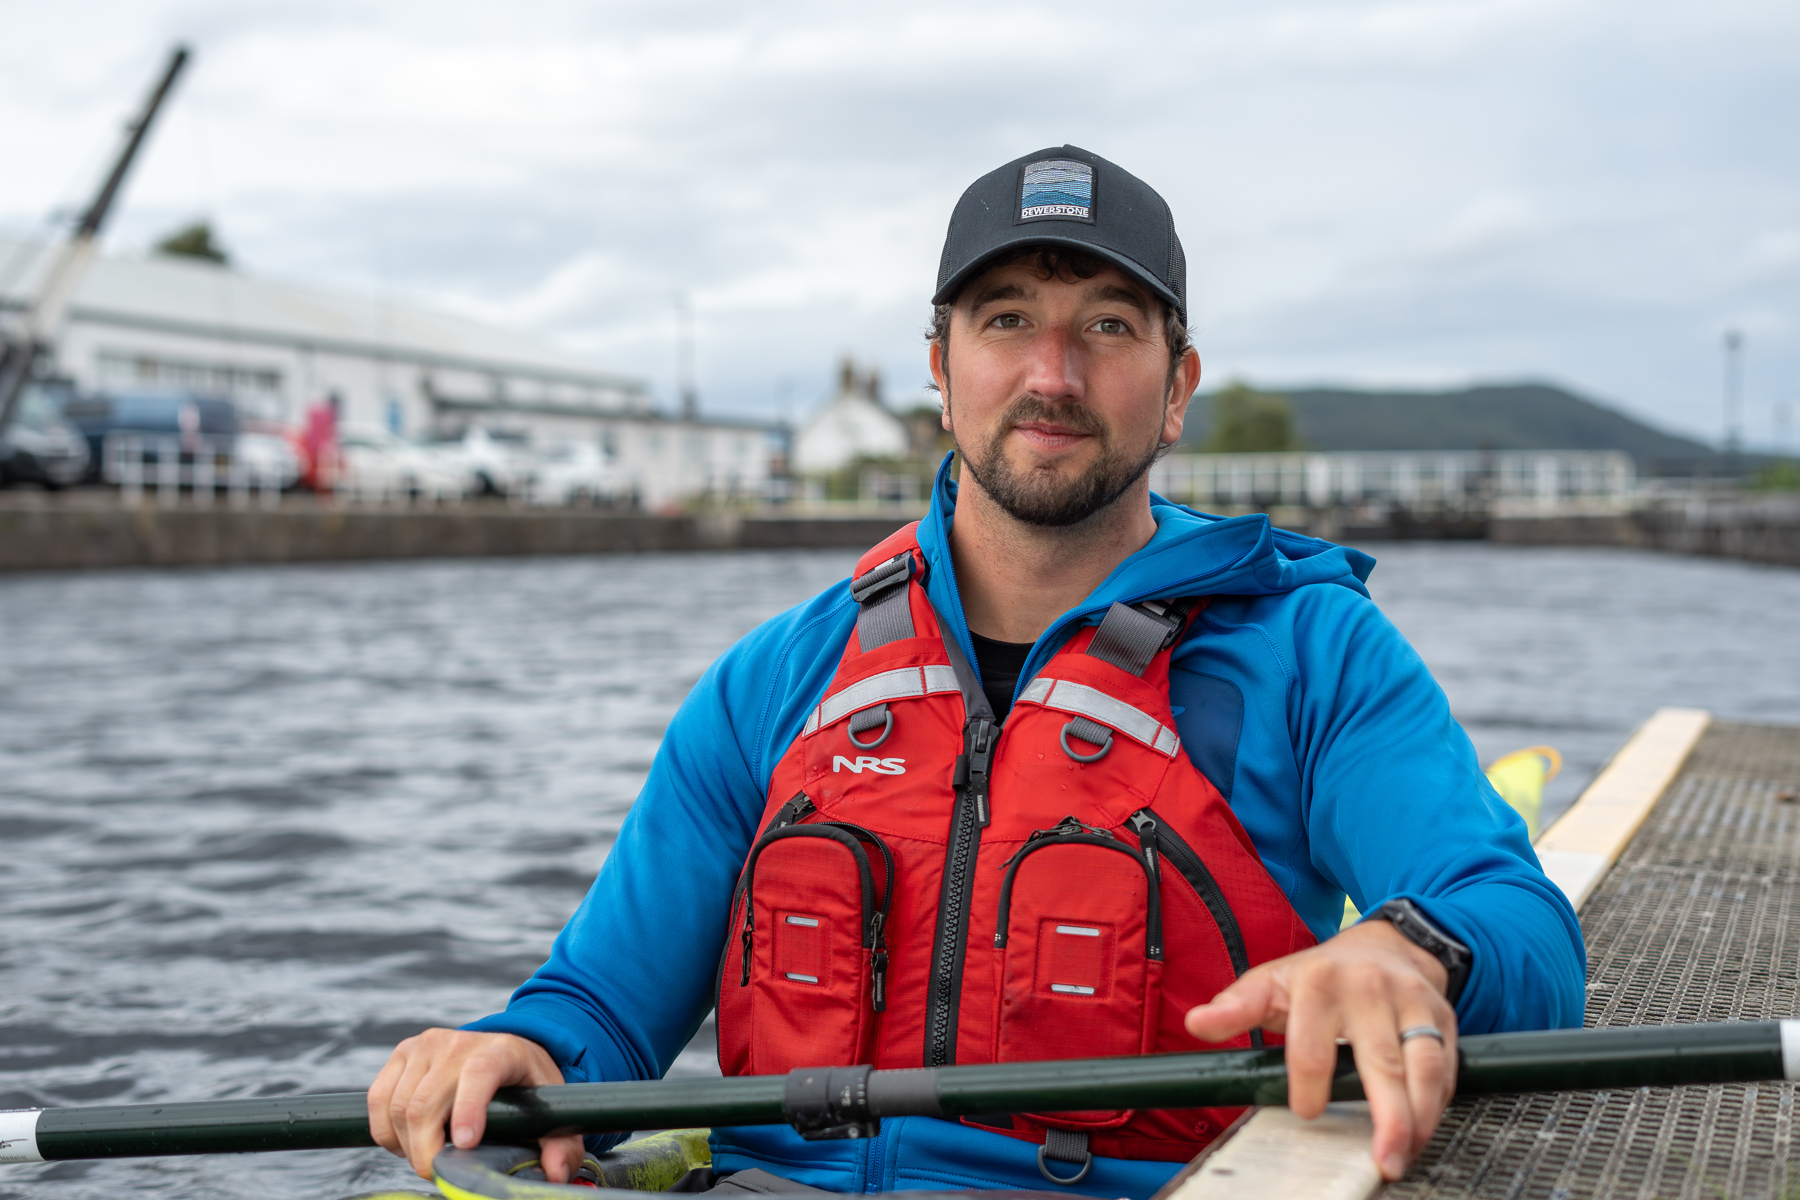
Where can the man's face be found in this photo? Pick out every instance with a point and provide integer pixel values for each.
(1057, 390)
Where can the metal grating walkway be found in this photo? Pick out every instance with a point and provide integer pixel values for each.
(1695, 923)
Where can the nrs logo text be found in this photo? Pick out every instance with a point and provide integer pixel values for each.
(881, 766)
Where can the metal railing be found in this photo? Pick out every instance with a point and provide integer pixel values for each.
(199, 464)
(1453, 479)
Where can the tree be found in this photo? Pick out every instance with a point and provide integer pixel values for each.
(1246, 420)
(194, 241)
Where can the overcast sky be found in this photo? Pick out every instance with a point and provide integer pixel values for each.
(1582, 191)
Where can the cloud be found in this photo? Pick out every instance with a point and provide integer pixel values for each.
(1582, 190)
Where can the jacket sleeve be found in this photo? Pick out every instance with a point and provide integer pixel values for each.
(1396, 805)
(630, 977)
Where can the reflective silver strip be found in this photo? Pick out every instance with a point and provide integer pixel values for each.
(1077, 930)
(803, 920)
(1790, 1049)
(1037, 691)
(18, 1135)
(1095, 704)
(940, 679)
(1071, 989)
(802, 978)
(898, 684)
(876, 689)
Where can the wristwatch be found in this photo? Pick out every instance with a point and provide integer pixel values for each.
(1422, 932)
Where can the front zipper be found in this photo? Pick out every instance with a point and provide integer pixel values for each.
(1073, 833)
(1155, 832)
(970, 815)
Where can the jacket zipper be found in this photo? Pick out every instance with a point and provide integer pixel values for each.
(1073, 833)
(1155, 832)
(969, 817)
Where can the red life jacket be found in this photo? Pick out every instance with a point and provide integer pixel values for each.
(929, 888)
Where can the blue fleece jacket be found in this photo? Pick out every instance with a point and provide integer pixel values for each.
(1292, 693)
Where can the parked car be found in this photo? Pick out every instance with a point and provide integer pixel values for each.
(197, 420)
(268, 455)
(494, 463)
(42, 445)
(572, 472)
(376, 463)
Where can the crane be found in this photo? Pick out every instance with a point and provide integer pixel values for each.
(45, 311)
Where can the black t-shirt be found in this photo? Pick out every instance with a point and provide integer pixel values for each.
(999, 664)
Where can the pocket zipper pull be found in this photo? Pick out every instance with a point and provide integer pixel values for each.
(878, 967)
(1144, 825)
(748, 920)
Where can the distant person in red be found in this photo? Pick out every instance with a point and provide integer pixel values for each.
(318, 439)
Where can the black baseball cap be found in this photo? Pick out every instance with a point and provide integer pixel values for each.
(1065, 196)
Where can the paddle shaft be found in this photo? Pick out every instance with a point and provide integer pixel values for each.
(1556, 1060)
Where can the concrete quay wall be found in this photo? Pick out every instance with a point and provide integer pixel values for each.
(53, 536)
(1763, 530)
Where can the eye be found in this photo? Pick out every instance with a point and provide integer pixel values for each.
(1109, 325)
(1008, 321)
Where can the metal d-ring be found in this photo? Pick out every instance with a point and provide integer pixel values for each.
(886, 729)
(1096, 756)
(1044, 1166)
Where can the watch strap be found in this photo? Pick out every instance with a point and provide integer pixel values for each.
(1428, 936)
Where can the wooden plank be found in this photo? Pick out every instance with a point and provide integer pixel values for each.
(1587, 840)
(1276, 1156)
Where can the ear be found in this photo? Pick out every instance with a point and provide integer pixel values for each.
(1181, 393)
(941, 376)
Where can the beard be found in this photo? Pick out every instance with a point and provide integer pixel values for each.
(1040, 495)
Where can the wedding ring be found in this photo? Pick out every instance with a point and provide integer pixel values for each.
(1430, 1031)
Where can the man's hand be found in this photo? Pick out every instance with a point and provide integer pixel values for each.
(451, 1073)
(1365, 985)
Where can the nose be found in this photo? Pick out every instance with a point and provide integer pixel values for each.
(1056, 365)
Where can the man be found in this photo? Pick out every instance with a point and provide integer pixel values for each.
(1149, 751)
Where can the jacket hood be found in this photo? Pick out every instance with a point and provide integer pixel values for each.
(1191, 554)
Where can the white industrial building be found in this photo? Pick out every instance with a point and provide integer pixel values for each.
(164, 323)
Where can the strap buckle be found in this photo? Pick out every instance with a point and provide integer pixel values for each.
(898, 569)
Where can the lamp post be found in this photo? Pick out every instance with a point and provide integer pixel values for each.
(1734, 398)
(684, 356)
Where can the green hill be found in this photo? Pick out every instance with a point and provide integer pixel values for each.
(1497, 417)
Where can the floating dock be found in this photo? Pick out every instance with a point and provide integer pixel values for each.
(1683, 858)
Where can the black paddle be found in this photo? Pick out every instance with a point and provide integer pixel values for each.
(849, 1101)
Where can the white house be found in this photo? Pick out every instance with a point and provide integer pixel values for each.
(854, 425)
(163, 323)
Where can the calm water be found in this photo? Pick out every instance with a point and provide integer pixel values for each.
(260, 824)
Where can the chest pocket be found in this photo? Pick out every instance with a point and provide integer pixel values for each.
(811, 946)
(1079, 938)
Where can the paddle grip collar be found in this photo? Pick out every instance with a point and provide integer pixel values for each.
(849, 1102)
(822, 1103)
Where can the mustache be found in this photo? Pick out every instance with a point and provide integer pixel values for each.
(1027, 409)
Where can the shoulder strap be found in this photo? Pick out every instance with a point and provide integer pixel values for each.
(886, 609)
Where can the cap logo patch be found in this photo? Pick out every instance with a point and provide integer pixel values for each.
(1057, 187)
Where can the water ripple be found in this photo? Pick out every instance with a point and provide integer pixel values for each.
(267, 822)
